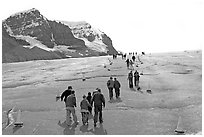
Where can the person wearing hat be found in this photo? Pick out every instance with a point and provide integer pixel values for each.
(110, 85)
(99, 102)
(85, 110)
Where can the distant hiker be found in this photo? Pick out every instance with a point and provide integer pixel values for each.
(84, 110)
(130, 78)
(136, 79)
(99, 101)
(117, 88)
(133, 58)
(128, 63)
(110, 84)
(66, 93)
(125, 56)
(89, 98)
(122, 56)
(131, 65)
(70, 104)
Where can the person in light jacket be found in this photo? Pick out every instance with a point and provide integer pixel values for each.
(84, 110)
(70, 108)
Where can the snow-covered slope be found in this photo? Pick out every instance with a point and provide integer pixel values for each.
(94, 38)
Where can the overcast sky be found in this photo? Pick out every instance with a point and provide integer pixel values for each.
(133, 25)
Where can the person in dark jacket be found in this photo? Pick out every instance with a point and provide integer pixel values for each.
(70, 108)
(110, 84)
(136, 79)
(99, 101)
(133, 58)
(84, 110)
(117, 88)
(89, 98)
(128, 63)
(64, 96)
(130, 78)
(66, 93)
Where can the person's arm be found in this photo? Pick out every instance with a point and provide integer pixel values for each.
(108, 83)
(74, 101)
(62, 96)
(81, 104)
(92, 100)
(103, 100)
(88, 104)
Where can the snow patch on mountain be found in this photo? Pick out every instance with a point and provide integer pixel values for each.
(33, 24)
(95, 45)
(33, 42)
(82, 30)
(8, 29)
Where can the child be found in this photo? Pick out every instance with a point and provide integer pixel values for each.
(84, 110)
(89, 98)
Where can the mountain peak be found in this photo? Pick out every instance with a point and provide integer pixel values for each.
(29, 29)
(25, 12)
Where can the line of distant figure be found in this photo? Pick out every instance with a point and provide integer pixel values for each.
(125, 55)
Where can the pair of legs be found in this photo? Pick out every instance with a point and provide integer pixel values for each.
(98, 112)
(110, 93)
(70, 110)
(85, 117)
(130, 83)
(137, 83)
(117, 92)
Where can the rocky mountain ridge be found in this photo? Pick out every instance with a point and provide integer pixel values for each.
(29, 35)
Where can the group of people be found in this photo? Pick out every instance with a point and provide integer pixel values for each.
(114, 56)
(97, 98)
(130, 64)
(113, 84)
(136, 79)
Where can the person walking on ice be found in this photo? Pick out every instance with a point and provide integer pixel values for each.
(110, 84)
(99, 102)
(136, 79)
(130, 79)
(64, 96)
(89, 98)
(128, 63)
(70, 107)
(84, 110)
(66, 93)
(117, 88)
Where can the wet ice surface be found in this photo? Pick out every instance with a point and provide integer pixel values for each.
(39, 72)
(32, 87)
